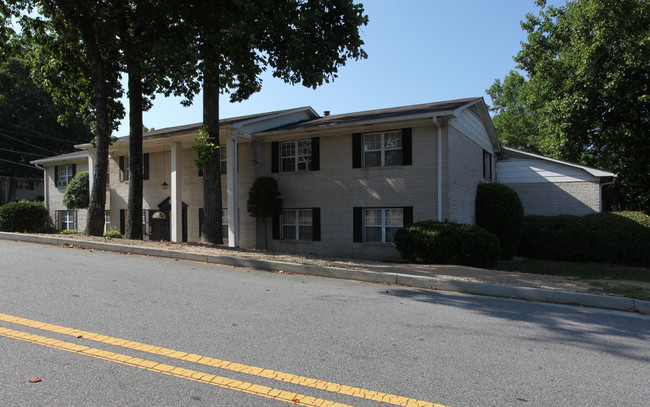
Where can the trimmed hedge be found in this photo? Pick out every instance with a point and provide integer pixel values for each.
(619, 238)
(24, 216)
(433, 242)
(500, 211)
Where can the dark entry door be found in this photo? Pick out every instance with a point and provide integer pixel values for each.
(159, 224)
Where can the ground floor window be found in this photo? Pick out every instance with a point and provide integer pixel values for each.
(297, 224)
(66, 220)
(380, 224)
(224, 223)
(107, 221)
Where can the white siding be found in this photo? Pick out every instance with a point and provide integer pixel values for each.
(515, 170)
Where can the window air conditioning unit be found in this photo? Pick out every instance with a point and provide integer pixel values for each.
(302, 166)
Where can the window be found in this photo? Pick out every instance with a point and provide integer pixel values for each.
(292, 156)
(107, 221)
(296, 156)
(382, 149)
(381, 224)
(25, 184)
(378, 225)
(224, 222)
(125, 173)
(63, 174)
(297, 224)
(487, 165)
(223, 161)
(66, 220)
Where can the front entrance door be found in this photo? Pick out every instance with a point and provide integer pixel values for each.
(159, 225)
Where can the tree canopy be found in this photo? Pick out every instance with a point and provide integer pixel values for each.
(587, 98)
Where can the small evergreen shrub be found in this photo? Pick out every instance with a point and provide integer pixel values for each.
(433, 242)
(69, 232)
(77, 193)
(619, 238)
(24, 216)
(114, 233)
(500, 211)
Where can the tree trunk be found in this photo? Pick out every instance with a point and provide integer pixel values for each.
(96, 208)
(134, 203)
(212, 169)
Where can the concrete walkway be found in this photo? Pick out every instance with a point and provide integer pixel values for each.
(495, 283)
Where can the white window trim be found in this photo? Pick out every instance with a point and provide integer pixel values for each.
(383, 225)
(63, 181)
(297, 162)
(383, 148)
(296, 225)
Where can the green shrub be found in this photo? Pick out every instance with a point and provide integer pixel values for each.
(23, 216)
(433, 242)
(77, 193)
(500, 211)
(69, 232)
(619, 238)
(114, 233)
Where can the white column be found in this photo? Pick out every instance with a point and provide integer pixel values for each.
(232, 192)
(176, 194)
(91, 169)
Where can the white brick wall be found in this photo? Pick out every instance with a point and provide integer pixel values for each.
(569, 198)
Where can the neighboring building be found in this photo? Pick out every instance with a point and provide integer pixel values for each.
(348, 181)
(13, 189)
(549, 187)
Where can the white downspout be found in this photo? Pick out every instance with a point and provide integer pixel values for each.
(601, 192)
(233, 191)
(46, 201)
(435, 123)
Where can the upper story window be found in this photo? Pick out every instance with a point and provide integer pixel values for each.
(487, 165)
(125, 173)
(63, 174)
(296, 155)
(382, 149)
(292, 156)
(223, 162)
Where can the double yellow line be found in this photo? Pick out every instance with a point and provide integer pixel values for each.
(225, 382)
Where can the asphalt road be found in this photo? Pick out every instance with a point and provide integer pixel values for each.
(243, 336)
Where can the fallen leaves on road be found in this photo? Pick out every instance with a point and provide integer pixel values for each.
(34, 380)
(480, 309)
(295, 400)
(433, 287)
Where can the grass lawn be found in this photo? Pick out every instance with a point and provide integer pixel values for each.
(601, 276)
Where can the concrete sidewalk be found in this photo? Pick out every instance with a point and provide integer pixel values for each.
(447, 278)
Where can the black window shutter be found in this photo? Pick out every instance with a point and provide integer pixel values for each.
(356, 150)
(201, 172)
(56, 175)
(357, 221)
(200, 222)
(407, 215)
(121, 159)
(74, 169)
(122, 220)
(145, 166)
(275, 157)
(315, 227)
(276, 227)
(315, 154)
(407, 146)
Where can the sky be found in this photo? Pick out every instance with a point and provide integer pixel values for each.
(419, 51)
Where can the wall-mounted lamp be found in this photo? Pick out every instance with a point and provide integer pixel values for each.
(164, 185)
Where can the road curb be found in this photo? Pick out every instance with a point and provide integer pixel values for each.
(427, 282)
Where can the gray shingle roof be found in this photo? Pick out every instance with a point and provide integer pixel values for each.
(381, 114)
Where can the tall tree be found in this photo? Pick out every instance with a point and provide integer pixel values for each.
(29, 118)
(88, 79)
(515, 120)
(302, 41)
(156, 58)
(588, 64)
